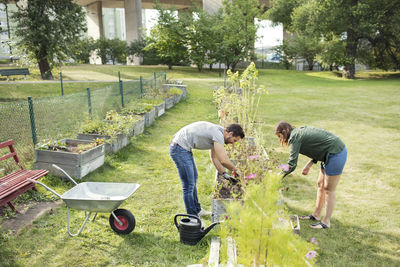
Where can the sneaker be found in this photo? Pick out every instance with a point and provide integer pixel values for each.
(203, 213)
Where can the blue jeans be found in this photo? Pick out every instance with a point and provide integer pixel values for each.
(188, 173)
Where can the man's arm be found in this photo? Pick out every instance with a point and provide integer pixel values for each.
(220, 158)
(216, 162)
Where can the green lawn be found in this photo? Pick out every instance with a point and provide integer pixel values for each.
(365, 227)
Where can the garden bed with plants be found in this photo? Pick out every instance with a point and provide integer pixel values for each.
(76, 157)
(250, 209)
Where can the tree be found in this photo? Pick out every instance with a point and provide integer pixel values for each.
(356, 22)
(81, 50)
(332, 54)
(238, 30)
(136, 48)
(117, 50)
(168, 38)
(200, 38)
(102, 49)
(47, 29)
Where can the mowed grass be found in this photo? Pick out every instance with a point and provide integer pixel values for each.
(365, 225)
(365, 113)
(78, 78)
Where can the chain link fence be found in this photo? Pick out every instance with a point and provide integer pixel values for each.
(54, 118)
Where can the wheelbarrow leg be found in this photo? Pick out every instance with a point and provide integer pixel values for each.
(94, 217)
(83, 225)
(116, 218)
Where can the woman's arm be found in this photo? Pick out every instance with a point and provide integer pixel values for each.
(306, 168)
(293, 158)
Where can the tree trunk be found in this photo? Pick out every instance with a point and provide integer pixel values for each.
(211, 66)
(310, 64)
(200, 67)
(349, 69)
(45, 70)
(170, 66)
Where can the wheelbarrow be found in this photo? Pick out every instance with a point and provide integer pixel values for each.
(98, 197)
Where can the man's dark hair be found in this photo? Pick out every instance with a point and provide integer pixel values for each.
(236, 130)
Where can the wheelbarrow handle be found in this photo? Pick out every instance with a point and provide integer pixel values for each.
(45, 186)
(69, 177)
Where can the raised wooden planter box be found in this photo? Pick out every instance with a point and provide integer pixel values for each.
(160, 109)
(179, 86)
(75, 164)
(138, 127)
(112, 145)
(177, 98)
(169, 102)
(150, 117)
(219, 208)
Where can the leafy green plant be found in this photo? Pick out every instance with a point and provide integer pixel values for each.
(175, 91)
(153, 102)
(62, 146)
(261, 229)
(136, 108)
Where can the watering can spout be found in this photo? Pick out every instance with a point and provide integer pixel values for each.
(211, 226)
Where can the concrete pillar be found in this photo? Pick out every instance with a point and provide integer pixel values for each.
(94, 17)
(133, 25)
(212, 6)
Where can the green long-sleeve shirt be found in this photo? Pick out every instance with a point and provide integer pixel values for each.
(314, 143)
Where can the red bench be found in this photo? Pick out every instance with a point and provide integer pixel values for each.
(16, 183)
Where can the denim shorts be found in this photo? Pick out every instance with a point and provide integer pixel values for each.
(335, 163)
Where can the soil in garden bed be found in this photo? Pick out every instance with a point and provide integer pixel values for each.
(226, 190)
(72, 147)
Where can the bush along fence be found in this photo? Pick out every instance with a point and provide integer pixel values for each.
(107, 117)
(256, 229)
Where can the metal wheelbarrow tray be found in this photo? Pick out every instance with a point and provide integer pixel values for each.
(99, 197)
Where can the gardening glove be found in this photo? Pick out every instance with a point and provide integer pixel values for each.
(236, 174)
(229, 178)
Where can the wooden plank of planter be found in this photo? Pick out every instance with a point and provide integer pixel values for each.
(150, 117)
(213, 259)
(160, 109)
(231, 252)
(138, 127)
(169, 102)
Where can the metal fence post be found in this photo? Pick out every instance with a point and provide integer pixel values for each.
(89, 102)
(119, 76)
(62, 88)
(141, 86)
(32, 118)
(121, 91)
(155, 80)
(165, 76)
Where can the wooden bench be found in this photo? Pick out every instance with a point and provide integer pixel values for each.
(9, 72)
(16, 183)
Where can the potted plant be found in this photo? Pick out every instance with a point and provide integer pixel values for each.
(76, 157)
(115, 136)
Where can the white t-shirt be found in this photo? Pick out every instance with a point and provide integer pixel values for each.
(199, 135)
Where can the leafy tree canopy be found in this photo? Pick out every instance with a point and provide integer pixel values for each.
(47, 29)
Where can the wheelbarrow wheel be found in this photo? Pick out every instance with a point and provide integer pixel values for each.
(127, 219)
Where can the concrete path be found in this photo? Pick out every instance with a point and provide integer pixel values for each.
(28, 214)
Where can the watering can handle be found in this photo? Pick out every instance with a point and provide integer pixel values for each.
(186, 215)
